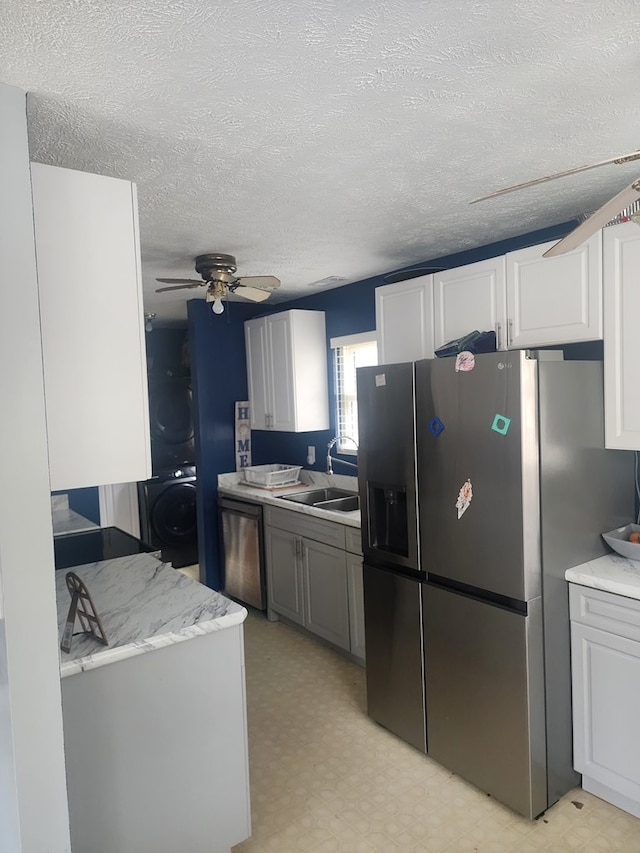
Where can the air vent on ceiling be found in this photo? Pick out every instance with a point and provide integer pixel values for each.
(325, 282)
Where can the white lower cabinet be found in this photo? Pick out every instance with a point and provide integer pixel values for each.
(325, 585)
(284, 573)
(312, 580)
(605, 648)
(356, 604)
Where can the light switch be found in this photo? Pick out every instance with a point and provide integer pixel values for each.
(311, 455)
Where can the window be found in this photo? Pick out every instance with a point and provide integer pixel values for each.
(350, 352)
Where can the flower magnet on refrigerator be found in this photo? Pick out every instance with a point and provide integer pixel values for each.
(464, 498)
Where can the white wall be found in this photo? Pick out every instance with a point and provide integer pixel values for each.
(9, 822)
(31, 718)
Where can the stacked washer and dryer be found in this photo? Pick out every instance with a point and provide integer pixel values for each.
(167, 502)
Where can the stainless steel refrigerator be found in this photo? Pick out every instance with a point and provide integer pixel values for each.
(482, 480)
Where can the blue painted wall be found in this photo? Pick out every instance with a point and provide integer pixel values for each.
(219, 379)
(86, 502)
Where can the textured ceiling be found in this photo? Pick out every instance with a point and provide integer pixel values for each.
(317, 138)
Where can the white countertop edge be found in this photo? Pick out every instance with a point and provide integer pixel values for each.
(139, 647)
(610, 573)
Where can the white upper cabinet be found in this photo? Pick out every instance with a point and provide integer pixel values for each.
(287, 371)
(528, 300)
(255, 341)
(404, 320)
(469, 298)
(554, 300)
(92, 318)
(621, 336)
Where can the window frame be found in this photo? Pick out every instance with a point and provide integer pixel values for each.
(336, 343)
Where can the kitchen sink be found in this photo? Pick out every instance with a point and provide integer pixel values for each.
(324, 497)
(348, 504)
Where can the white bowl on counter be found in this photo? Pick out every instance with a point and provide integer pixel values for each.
(619, 541)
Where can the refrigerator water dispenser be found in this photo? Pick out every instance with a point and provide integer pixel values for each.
(388, 527)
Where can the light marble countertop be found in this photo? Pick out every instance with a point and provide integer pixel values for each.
(232, 485)
(611, 573)
(143, 605)
(68, 521)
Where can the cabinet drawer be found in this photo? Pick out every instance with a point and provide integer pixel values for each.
(353, 540)
(605, 610)
(307, 526)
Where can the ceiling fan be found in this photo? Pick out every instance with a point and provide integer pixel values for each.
(612, 209)
(218, 275)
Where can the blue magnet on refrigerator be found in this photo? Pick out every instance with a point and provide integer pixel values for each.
(435, 426)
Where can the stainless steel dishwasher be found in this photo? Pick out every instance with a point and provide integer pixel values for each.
(243, 550)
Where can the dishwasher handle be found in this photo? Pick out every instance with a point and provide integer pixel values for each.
(240, 508)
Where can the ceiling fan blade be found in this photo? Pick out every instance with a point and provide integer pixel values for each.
(596, 221)
(178, 286)
(251, 293)
(193, 281)
(264, 281)
(624, 158)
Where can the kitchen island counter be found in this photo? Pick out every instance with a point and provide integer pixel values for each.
(155, 724)
(143, 605)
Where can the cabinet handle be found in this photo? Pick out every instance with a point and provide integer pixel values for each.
(498, 327)
(509, 333)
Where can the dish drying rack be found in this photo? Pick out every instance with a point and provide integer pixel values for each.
(272, 476)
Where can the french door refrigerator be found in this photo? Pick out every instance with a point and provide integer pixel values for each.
(387, 477)
(513, 486)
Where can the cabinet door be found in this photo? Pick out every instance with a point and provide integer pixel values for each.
(325, 584)
(284, 574)
(281, 380)
(356, 605)
(404, 320)
(255, 336)
(554, 300)
(287, 371)
(469, 298)
(621, 340)
(606, 710)
(95, 377)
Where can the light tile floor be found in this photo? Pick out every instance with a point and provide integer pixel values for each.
(325, 778)
(192, 572)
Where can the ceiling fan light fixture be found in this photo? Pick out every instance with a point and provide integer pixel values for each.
(148, 322)
(218, 275)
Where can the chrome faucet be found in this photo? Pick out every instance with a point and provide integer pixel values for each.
(331, 459)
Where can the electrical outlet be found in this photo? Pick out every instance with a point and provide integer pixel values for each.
(311, 455)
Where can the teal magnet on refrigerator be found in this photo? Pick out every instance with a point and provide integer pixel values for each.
(501, 424)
